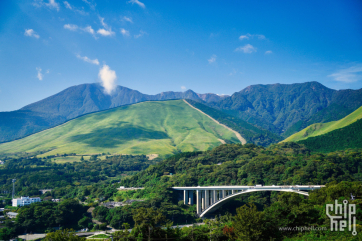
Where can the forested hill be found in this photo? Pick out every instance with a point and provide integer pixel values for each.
(251, 133)
(283, 164)
(285, 109)
(75, 101)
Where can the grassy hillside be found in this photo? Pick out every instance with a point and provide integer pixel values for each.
(348, 137)
(323, 128)
(146, 128)
(251, 133)
(76, 101)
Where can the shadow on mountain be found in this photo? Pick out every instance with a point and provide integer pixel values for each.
(112, 136)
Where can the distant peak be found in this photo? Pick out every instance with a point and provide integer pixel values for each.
(312, 84)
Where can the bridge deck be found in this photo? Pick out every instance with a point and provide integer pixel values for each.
(295, 187)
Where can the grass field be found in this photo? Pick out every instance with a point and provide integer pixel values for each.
(323, 128)
(164, 127)
(65, 159)
(99, 237)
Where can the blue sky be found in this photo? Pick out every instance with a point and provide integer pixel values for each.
(153, 46)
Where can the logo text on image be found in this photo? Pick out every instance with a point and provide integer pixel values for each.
(339, 223)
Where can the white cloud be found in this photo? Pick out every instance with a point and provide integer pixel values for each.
(183, 87)
(88, 29)
(127, 19)
(71, 27)
(142, 5)
(86, 59)
(248, 49)
(105, 32)
(39, 75)
(31, 33)
(102, 22)
(212, 59)
(124, 32)
(268, 52)
(52, 4)
(248, 36)
(67, 5)
(108, 78)
(92, 6)
(140, 34)
(348, 75)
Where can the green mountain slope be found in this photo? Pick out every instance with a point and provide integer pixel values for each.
(286, 109)
(162, 128)
(76, 101)
(348, 137)
(251, 133)
(323, 128)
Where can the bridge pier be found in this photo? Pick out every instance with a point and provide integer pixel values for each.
(198, 201)
(207, 199)
(191, 197)
(186, 197)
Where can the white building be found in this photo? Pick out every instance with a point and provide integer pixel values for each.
(19, 202)
(12, 214)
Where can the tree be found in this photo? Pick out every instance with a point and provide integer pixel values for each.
(249, 222)
(84, 222)
(123, 234)
(7, 233)
(63, 235)
(69, 212)
(148, 221)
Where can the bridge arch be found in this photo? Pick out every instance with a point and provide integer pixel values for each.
(221, 202)
(210, 198)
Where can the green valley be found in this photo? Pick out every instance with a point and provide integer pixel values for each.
(163, 128)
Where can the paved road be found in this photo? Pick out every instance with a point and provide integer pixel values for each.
(42, 235)
(32, 236)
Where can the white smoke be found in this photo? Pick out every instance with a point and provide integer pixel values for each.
(108, 78)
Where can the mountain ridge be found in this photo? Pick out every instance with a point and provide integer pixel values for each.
(283, 109)
(286, 108)
(161, 127)
(75, 101)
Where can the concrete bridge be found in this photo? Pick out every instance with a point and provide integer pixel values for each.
(210, 198)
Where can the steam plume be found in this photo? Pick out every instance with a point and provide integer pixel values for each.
(108, 78)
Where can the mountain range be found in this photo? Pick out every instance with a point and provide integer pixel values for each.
(76, 101)
(288, 108)
(283, 109)
(152, 127)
